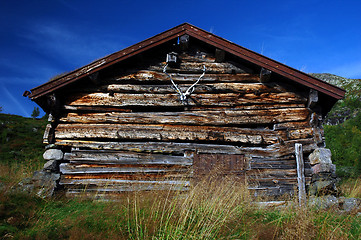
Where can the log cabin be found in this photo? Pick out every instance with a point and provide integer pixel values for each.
(179, 106)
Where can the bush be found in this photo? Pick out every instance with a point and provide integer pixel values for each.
(344, 140)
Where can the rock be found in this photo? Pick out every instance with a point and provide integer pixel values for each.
(42, 183)
(51, 166)
(53, 154)
(323, 168)
(324, 202)
(320, 155)
(323, 187)
(349, 204)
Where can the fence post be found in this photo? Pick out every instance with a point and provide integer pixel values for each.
(300, 175)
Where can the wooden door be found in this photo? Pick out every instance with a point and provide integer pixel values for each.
(219, 165)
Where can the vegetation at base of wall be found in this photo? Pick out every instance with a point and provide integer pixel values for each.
(21, 146)
(205, 213)
(344, 140)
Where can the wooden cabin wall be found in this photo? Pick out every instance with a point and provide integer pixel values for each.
(130, 131)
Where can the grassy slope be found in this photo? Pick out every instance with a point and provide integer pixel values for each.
(21, 145)
(344, 139)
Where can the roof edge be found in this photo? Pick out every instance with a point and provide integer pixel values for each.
(210, 38)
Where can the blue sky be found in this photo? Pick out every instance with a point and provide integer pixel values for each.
(42, 38)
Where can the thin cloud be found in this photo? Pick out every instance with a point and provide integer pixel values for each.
(70, 44)
(15, 101)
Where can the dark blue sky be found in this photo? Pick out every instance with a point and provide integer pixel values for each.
(40, 39)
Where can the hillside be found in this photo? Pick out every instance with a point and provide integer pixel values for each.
(343, 126)
(350, 106)
(21, 145)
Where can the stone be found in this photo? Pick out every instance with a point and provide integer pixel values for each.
(53, 154)
(320, 155)
(349, 204)
(323, 168)
(325, 202)
(41, 183)
(323, 187)
(51, 166)
(323, 176)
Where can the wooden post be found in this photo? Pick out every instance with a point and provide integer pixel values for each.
(264, 75)
(300, 174)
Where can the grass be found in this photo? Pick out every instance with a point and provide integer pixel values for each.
(208, 211)
(21, 147)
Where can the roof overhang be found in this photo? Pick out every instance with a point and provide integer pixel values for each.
(207, 37)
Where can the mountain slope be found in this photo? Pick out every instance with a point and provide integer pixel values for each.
(350, 106)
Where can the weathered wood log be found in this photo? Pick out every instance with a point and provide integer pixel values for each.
(110, 182)
(102, 109)
(276, 150)
(73, 168)
(153, 76)
(225, 99)
(240, 117)
(132, 158)
(152, 147)
(200, 88)
(302, 197)
(265, 75)
(271, 173)
(312, 98)
(168, 133)
(197, 67)
(47, 134)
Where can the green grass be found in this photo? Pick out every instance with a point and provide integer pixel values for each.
(21, 146)
(216, 213)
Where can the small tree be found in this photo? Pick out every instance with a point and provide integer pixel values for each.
(1, 109)
(36, 112)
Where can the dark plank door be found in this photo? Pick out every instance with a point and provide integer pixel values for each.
(219, 165)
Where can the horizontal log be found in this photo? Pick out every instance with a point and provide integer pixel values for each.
(167, 100)
(71, 168)
(90, 108)
(111, 182)
(98, 191)
(240, 117)
(167, 176)
(152, 147)
(133, 158)
(271, 173)
(154, 76)
(168, 133)
(285, 148)
(199, 88)
(197, 67)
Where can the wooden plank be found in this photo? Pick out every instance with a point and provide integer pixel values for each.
(101, 109)
(72, 168)
(197, 67)
(154, 76)
(222, 99)
(109, 182)
(285, 148)
(153, 147)
(85, 190)
(47, 134)
(302, 197)
(167, 176)
(312, 98)
(133, 158)
(167, 133)
(199, 88)
(225, 117)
